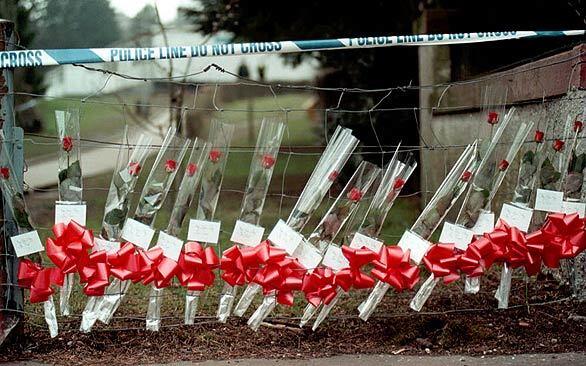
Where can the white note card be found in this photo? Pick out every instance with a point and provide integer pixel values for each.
(171, 245)
(284, 237)
(107, 245)
(27, 243)
(517, 216)
(456, 234)
(334, 258)
(66, 212)
(569, 207)
(360, 240)
(247, 234)
(484, 224)
(137, 233)
(204, 231)
(549, 201)
(308, 255)
(416, 244)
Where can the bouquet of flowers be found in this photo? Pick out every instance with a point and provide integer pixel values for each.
(326, 171)
(219, 139)
(528, 171)
(70, 179)
(191, 178)
(434, 212)
(259, 178)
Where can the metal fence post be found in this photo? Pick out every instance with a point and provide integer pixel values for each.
(11, 296)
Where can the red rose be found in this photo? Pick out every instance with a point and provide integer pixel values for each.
(67, 143)
(503, 165)
(539, 136)
(191, 169)
(493, 118)
(268, 161)
(134, 168)
(215, 155)
(558, 145)
(5, 172)
(333, 175)
(466, 176)
(578, 125)
(399, 183)
(354, 194)
(170, 166)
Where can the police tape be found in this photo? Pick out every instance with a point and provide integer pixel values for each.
(49, 57)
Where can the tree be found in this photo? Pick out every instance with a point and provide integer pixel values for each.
(141, 26)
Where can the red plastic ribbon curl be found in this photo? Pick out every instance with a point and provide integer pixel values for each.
(443, 261)
(196, 266)
(94, 272)
(240, 265)
(394, 268)
(69, 246)
(352, 276)
(280, 274)
(160, 270)
(319, 286)
(131, 263)
(38, 280)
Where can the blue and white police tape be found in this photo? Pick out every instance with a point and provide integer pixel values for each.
(35, 58)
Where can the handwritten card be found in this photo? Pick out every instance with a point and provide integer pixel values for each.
(107, 245)
(27, 243)
(549, 201)
(456, 234)
(171, 245)
(516, 216)
(360, 240)
(284, 237)
(484, 224)
(137, 233)
(334, 258)
(416, 244)
(204, 231)
(307, 255)
(247, 234)
(569, 207)
(66, 212)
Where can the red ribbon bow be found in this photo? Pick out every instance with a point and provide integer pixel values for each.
(353, 276)
(394, 268)
(94, 272)
(131, 263)
(478, 257)
(38, 280)
(281, 275)
(69, 246)
(196, 266)
(319, 286)
(240, 265)
(158, 269)
(443, 261)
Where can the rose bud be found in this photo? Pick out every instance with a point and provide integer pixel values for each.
(558, 145)
(493, 118)
(539, 136)
(5, 172)
(503, 165)
(399, 183)
(354, 194)
(191, 169)
(333, 175)
(134, 168)
(578, 125)
(215, 156)
(268, 161)
(170, 166)
(67, 143)
(466, 176)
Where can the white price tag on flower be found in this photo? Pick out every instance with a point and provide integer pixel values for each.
(247, 234)
(106, 245)
(203, 231)
(171, 245)
(284, 237)
(334, 258)
(549, 201)
(484, 224)
(569, 207)
(360, 240)
(307, 255)
(416, 244)
(137, 233)
(27, 243)
(65, 212)
(457, 235)
(516, 216)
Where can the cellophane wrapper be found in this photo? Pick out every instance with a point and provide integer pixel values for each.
(14, 199)
(434, 212)
(219, 139)
(327, 169)
(70, 181)
(191, 177)
(151, 200)
(396, 175)
(261, 171)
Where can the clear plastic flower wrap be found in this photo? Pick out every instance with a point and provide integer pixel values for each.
(433, 214)
(219, 138)
(14, 200)
(528, 170)
(261, 171)
(191, 177)
(151, 200)
(70, 177)
(337, 152)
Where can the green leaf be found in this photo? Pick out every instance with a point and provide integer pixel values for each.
(116, 216)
